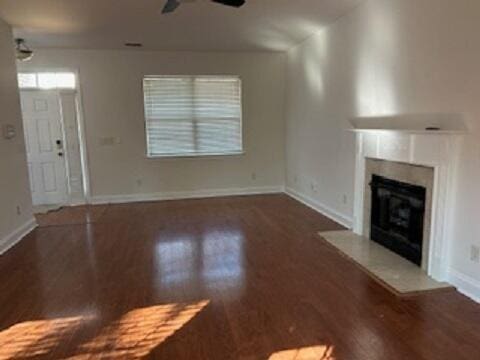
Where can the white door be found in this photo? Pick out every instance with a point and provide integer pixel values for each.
(44, 142)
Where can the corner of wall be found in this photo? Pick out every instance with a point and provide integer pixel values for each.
(17, 235)
(16, 218)
(314, 204)
(465, 284)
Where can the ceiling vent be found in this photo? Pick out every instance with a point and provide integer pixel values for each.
(133, 44)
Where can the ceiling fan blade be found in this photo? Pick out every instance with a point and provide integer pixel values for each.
(170, 6)
(235, 3)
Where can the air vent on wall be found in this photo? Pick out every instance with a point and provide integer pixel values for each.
(133, 44)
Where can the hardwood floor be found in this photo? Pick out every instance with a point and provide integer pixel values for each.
(225, 278)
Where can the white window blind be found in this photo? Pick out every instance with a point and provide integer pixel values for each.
(193, 115)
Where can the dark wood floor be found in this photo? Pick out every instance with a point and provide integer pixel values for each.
(226, 278)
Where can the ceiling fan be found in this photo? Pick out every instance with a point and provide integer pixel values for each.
(172, 5)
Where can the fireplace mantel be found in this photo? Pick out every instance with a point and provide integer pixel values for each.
(411, 146)
(411, 131)
(411, 123)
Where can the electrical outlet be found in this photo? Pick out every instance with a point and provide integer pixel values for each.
(19, 210)
(345, 199)
(475, 253)
(139, 182)
(254, 176)
(314, 186)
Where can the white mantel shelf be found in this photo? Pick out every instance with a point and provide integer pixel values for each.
(411, 131)
(445, 124)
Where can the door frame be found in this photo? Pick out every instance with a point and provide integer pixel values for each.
(81, 132)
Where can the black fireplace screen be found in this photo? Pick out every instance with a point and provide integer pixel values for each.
(398, 211)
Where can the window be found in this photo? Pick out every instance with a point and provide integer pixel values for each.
(193, 115)
(47, 80)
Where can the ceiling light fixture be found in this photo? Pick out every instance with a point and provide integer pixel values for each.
(22, 51)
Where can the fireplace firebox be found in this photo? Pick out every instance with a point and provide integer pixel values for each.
(397, 217)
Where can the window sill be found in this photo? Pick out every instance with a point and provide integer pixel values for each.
(202, 156)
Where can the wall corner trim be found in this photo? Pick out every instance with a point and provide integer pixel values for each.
(179, 195)
(321, 208)
(17, 235)
(465, 284)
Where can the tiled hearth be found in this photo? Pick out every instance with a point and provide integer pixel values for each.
(390, 269)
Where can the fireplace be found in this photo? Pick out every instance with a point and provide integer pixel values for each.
(397, 216)
(412, 156)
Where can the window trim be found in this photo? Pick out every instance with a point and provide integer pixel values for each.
(199, 155)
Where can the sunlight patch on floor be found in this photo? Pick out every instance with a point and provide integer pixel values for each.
(133, 336)
(138, 332)
(320, 352)
(36, 338)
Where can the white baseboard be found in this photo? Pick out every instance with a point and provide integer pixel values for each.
(322, 209)
(15, 236)
(77, 202)
(465, 284)
(178, 195)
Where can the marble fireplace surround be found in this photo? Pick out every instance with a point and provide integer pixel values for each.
(420, 158)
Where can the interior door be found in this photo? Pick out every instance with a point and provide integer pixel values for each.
(44, 142)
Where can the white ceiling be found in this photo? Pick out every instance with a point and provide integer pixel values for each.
(269, 25)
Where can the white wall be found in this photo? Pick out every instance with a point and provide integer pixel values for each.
(14, 186)
(385, 58)
(111, 89)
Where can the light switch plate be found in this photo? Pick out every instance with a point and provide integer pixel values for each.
(475, 253)
(9, 131)
(109, 141)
